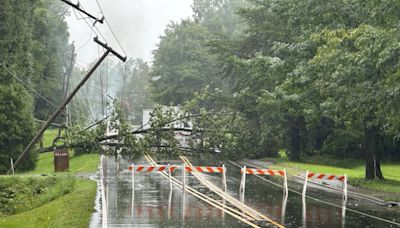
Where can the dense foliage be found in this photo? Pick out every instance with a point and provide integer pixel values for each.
(313, 77)
(19, 194)
(33, 48)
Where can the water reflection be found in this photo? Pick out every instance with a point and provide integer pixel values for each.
(146, 200)
(304, 210)
(169, 204)
(284, 202)
(344, 212)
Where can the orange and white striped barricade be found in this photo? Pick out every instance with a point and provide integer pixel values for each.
(209, 169)
(269, 172)
(327, 177)
(151, 168)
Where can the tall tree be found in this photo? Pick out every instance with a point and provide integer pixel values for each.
(16, 106)
(135, 92)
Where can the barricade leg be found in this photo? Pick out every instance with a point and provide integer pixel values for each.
(169, 176)
(345, 187)
(285, 185)
(243, 181)
(184, 177)
(133, 178)
(224, 177)
(305, 185)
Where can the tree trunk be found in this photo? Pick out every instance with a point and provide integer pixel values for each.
(295, 136)
(372, 155)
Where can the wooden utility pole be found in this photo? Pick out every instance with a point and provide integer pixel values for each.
(67, 100)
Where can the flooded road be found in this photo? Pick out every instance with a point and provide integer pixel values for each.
(153, 204)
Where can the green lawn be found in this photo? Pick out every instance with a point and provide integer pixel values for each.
(77, 164)
(32, 200)
(71, 210)
(48, 136)
(354, 169)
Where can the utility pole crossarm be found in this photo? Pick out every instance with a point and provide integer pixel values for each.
(104, 45)
(67, 100)
(76, 6)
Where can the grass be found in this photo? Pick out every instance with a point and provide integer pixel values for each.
(77, 164)
(48, 136)
(52, 199)
(71, 210)
(354, 169)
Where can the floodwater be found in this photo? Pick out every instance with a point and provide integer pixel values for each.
(151, 203)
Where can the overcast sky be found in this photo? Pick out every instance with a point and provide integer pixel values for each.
(136, 23)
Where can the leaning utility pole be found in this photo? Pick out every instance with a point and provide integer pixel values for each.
(68, 99)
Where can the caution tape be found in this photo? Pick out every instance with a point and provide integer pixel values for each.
(161, 168)
(204, 169)
(143, 168)
(325, 176)
(270, 172)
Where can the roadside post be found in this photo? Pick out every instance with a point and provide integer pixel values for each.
(12, 166)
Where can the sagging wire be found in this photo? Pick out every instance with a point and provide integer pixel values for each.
(109, 26)
(28, 87)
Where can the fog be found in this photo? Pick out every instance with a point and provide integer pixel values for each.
(136, 23)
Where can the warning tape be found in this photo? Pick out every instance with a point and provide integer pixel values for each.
(325, 176)
(270, 172)
(143, 168)
(202, 169)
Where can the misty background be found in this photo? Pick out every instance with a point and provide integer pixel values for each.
(136, 23)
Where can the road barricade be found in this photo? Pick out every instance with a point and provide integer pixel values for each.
(170, 168)
(270, 172)
(327, 177)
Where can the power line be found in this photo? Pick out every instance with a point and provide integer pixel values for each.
(109, 26)
(28, 87)
(88, 40)
(93, 28)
